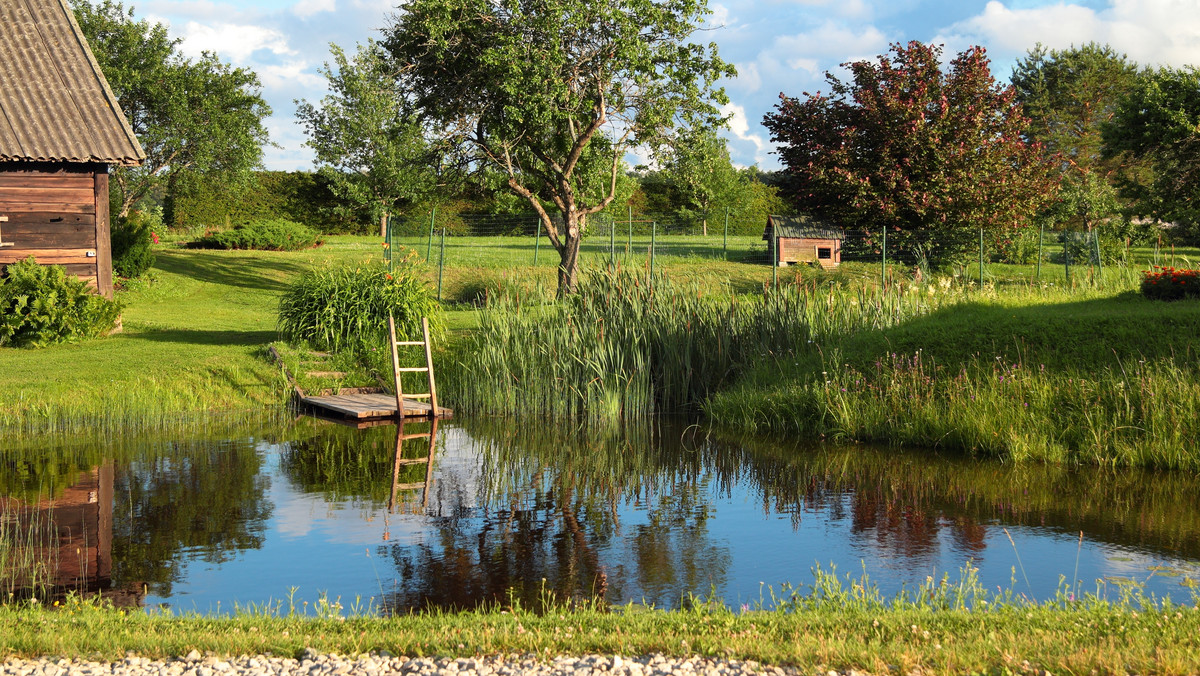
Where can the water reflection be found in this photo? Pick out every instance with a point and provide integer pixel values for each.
(479, 512)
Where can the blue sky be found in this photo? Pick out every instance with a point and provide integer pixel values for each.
(777, 45)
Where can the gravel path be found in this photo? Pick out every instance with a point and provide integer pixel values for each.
(383, 664)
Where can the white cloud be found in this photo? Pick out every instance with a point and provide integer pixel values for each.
(307, 8)
(232, 41)
(1152, 32)
(739, 126)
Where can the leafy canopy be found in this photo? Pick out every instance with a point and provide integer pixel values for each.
(367, 144)
(1069, 95)
(553, 93)
(931, 155)
(199, 116)
(1158, 123)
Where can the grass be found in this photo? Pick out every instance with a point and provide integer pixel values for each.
(1077, 376)
(195, 337)
(943, 626)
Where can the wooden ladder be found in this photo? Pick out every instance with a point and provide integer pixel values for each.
(431, 395)
(401, 461)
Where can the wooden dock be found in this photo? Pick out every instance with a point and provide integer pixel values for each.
(368, 405)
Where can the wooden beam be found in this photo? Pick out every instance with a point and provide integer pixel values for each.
(49, 256)
(103, 234)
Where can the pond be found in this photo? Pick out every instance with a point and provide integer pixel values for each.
(285, 514)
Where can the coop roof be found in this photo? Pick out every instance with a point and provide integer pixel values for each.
(55, 105)
(802, 227)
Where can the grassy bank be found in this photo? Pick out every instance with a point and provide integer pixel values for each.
(1097, 377)
(942, 627)
(1017, 368)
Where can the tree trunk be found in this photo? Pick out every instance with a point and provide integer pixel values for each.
(383, 226)
(568, 267)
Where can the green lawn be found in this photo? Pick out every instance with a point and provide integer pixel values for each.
(194, 335)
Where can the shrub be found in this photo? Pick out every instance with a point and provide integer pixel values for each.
(273, 235)
(132, 236)
(1080, 248)
(1016, 246)
(1171, 283)
(42, 305)
(340, 308)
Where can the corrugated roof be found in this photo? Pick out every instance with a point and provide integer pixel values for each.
(802, 226)
(55, 105)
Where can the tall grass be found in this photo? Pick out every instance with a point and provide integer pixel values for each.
(1145, 413)
(27, 545)
(634, 344)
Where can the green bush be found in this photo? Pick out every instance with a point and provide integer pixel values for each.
(132, 236)
(273, 235)
(346, 308)
(42, 305)
(1080, 248)
(1016, 246)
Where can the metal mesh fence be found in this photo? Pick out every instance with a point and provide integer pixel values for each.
(656, 239)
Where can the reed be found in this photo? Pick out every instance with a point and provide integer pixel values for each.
(28, 543)
(634, 344)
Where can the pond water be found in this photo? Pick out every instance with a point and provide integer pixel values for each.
(289, 513)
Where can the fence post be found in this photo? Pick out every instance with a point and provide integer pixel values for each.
(387, 240)
(429, 247)
(725, 243)
(612, 244)
(629, 237)
(883, 266)
(775, 256)
(653, 244)
(981, 258)
(1099, 262)
(1041, 237)
(1067, 259)
(441, 264)
(537, 241)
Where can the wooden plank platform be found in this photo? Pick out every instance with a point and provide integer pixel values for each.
(362, 406)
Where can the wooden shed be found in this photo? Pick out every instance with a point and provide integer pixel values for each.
(803, 240)
(61, 128)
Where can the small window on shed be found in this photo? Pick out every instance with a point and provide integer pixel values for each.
(824, 253)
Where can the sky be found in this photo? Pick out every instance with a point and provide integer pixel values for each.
(778, 46)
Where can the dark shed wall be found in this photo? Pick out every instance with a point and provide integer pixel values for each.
(58, 213)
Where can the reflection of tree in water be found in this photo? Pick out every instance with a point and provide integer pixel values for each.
(548, 523)
(343, 464)
(203, 500)
(906, 501)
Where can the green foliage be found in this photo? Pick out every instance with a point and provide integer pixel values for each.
(197, 115)
(42, 305)
(274, 235)
(132, 237)
(369, 147)
(1079, 248)
(533, 90)
(346, 307)
(1156, 124)
(1017, 246)
(932, 155)
(200, 202)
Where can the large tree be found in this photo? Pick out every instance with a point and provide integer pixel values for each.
(1159, 123)
(367, 143)
(698, 166)
(199, 115)
(1069, 95)
(931, 155)
(552, 91)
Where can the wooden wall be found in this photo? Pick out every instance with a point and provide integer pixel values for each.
(58, 213)
(804, 250)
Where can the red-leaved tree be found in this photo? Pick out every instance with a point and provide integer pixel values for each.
(932, 156)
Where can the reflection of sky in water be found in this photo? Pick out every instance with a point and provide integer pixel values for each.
(726, 540)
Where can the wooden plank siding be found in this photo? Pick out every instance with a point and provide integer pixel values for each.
(804, 250)
(58, 213)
